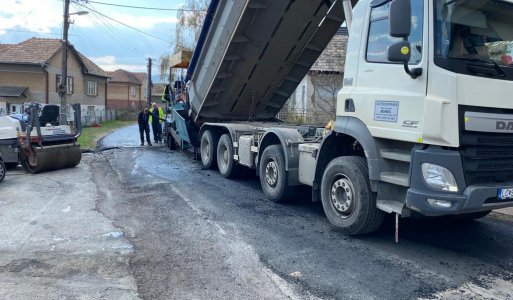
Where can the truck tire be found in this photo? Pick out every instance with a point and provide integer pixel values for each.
(208, 149)
(273, 176)
(347, 198)
(225, 162)
(2, 171)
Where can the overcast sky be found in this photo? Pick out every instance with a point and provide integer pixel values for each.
(110, 45)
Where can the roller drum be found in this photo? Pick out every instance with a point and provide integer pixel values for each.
(41, 159)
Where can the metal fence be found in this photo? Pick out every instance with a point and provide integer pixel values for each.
(92, 117)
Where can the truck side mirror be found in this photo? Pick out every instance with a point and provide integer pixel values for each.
(399, 52)
(400, 18)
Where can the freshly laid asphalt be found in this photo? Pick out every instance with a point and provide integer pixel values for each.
(192, 234)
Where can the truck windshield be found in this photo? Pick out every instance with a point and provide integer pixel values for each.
(475, 37)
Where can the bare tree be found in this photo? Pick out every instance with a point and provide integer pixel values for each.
(326, 83)
(324, 97)
(190, 19)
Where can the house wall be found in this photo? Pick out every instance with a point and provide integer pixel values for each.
(39, 79)
(79, 82)
(119, 96)
(32, 77)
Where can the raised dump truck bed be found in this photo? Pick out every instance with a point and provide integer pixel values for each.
(254, 55)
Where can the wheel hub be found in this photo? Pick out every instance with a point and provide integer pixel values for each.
(342, 196)
(225, 156)
(271, 173)
(205, 150)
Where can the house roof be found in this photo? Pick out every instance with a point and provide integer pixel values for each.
(125, 76)
(333, 57)
(12, 91)
(141, 76)
(39, 51)
(5, 46)
(91, 67)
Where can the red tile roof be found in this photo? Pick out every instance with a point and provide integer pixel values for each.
(121, 75)
(33, 51)
(5, 46)
(141, 76)
(40, 51)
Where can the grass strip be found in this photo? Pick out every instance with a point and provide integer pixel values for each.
(91, 135)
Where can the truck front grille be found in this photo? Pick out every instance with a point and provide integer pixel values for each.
(487, 157)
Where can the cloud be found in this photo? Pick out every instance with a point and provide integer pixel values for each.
(45, 16)
(109, 63)
(143, 22)
(34, 15)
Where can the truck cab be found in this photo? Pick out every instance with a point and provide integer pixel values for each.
(439, 142)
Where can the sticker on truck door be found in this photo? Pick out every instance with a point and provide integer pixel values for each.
(386, 111)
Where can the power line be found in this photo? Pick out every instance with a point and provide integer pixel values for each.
(124, 24)
(142, 7)
(29, 31)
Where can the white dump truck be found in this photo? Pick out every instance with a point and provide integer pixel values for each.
(424, 119)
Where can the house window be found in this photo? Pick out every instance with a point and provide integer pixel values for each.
(92, 88)
(132, 91)
(69, 84)
(379, 38)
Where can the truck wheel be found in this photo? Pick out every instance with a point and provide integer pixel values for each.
(225, 162)
(347, 198)
(2, 171)
(273, 176)
(208, 149)
(171, 142)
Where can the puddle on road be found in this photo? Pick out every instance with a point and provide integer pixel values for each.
(114, 234)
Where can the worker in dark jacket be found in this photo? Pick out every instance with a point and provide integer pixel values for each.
(156, 116)
(144, 127)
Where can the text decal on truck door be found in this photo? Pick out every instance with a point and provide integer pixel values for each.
(386, 111)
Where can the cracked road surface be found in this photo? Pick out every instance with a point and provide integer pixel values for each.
(146, 222)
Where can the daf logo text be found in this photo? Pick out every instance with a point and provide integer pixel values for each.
(502, 125)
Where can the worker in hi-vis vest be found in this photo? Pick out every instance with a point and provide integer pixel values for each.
(156, 115)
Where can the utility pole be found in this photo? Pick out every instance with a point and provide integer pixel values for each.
(148, 89)
(64, 71)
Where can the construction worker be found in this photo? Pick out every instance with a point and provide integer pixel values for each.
(144, 126)
(156, 115)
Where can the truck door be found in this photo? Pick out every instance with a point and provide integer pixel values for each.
(391, 102)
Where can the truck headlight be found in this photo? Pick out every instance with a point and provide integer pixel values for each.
(439, 177)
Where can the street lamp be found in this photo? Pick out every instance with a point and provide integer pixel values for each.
(64, 71)
(79, 13)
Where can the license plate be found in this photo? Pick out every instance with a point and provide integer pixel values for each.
(505, 193)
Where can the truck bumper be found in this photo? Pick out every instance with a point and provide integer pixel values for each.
(473, 198)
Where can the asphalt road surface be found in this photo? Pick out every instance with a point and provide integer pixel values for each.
(175, 231)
